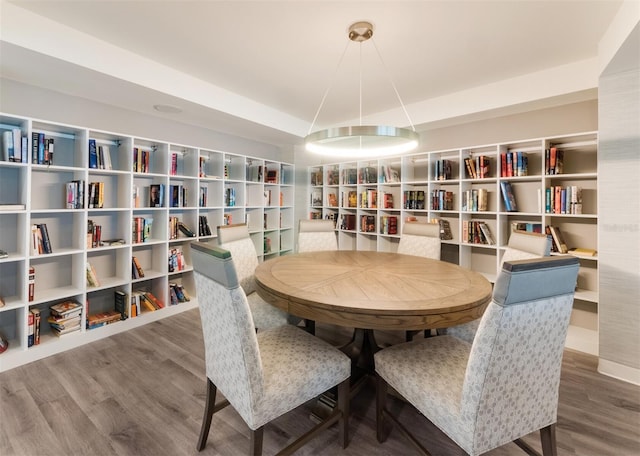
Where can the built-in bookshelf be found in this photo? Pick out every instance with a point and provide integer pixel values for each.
(465, 188)
(104, 199)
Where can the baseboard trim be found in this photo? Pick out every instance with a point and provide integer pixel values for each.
(619, 371)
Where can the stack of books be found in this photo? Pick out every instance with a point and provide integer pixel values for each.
(65, 317)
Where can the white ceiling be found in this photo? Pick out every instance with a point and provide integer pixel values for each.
(260, 68)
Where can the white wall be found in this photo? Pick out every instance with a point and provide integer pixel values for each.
(29, 101)
(619, 211)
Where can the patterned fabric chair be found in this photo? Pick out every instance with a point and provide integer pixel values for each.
(237, 240)
(420, 239)
(522, 246)
(262, 375)
(504, 385)
(316, 235)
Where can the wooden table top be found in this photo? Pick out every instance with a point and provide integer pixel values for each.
(373, 290)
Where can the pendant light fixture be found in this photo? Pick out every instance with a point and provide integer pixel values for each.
(362, 141)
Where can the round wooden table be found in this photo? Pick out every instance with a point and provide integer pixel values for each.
(373, 290)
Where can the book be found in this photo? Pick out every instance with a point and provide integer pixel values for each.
(65, 309)
(32, 282)
(185, 230)
(92, 277)
(36, 325)
(30, 329)
(120, 303)
(558, 239)
(581, 251)
(508, 196)
(138, 272)
(93, 154)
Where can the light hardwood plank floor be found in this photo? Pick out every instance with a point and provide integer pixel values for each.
(142, 393)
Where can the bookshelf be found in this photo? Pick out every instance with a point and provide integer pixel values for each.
(194, 183)
(439, 185)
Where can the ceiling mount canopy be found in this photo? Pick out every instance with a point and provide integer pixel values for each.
(362, 140)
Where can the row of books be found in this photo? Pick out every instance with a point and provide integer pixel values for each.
(478, 167)
(33, 327)
(367, 175)
(368, 223)
(74, 194)
(514, 164)
(414, 199)
(178, 196)
(476, 232)
(144, 300)
(202, 197)
(389, 175)
(563, 200)
(230, 197)
(40, 241)
(349, 176)
(442, 200)
(141, 160)
(368, 199)
(553, 161)
(176, 260)
(347, 222)
(475, 200)
(333, 176)
(176, 227)
(203, 226)
(442, 169)
(94, 234)
(178, 294)
(13, 145)
(141, 229)
(99, 155)
(95, 195)
(388, 224)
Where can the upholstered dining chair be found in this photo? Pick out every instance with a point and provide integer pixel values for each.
(420, 239)
(522, 245)
(262, 375)
(316, 235)
(237, 240)
(504, 385)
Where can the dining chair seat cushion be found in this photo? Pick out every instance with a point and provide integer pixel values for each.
(439, 362)
(297, 367)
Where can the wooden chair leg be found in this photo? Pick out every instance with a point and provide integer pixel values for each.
(548, 440)
(381, 399)
(343, 405)
(209, 410)
(256, 441)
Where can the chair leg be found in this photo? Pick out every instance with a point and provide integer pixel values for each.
(381, 398)
(209, 410)
(256, 441)
(548, 440)
(343, 405)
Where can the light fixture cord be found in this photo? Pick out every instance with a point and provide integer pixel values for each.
(395, 89)
(326, 92)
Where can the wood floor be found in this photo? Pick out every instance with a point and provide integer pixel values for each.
(142, 393)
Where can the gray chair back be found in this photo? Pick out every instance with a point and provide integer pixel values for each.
(237, 240)
(515, 360)
(232, 354)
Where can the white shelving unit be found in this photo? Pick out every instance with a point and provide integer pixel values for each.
(264, 196)
(417, 173)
